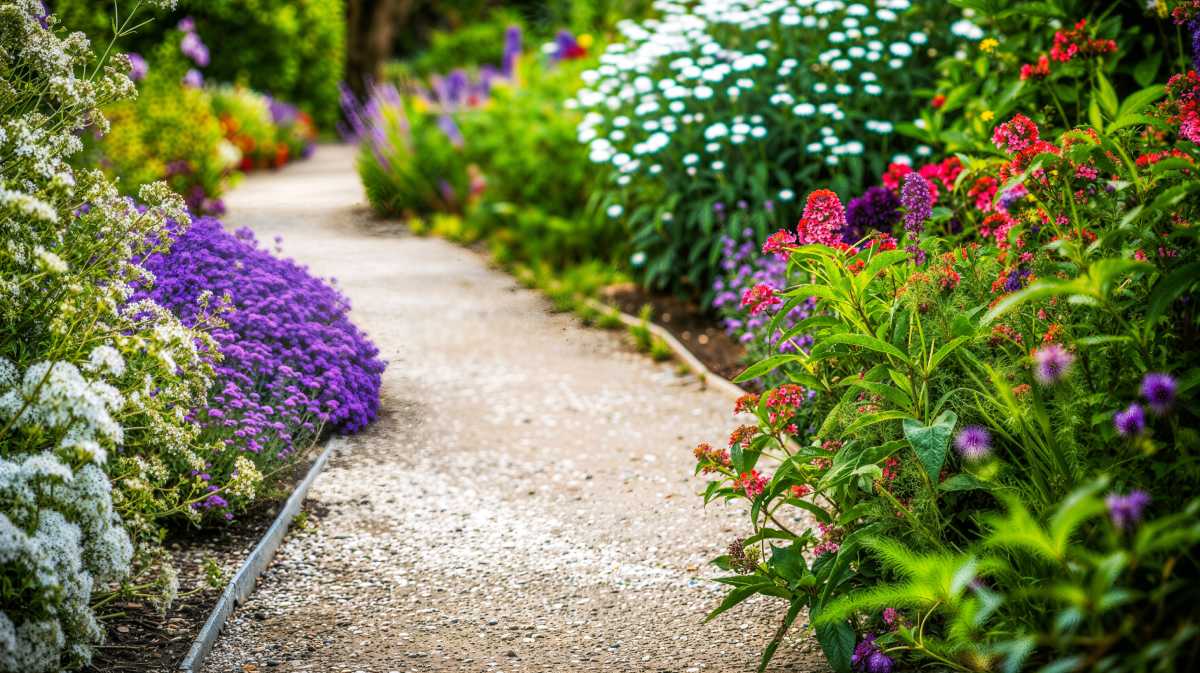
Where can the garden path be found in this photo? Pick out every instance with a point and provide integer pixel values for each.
(525, 501)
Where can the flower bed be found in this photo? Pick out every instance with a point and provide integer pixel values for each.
(110, 378)
(980, 448)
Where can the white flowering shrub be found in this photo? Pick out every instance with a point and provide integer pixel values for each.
(94, 389)
(714, 117)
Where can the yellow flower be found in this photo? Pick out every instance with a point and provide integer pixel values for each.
(585, 40)
(988, 45)
(987, 115)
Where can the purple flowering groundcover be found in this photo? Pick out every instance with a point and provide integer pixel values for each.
(293, 364)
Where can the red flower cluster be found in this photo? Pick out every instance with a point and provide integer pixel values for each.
(760, 298)
(800, 491)
(743, 435)
(746, 404)
(823, 219)
(751, 483)
(983, 191)
(783, 403)
(940, 176)
(778, 242)
(1039, 71)
(1016, 135)
(1183, 105)
(1075, 42)
(711, 459)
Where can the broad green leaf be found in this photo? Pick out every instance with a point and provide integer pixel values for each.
(964, 482)
(890, 393)
(1107, 96)
(1139, 100)
(837, 641)
(943, 352)
(764, 366)
(932, 442)
(789, 561)
(869, 342)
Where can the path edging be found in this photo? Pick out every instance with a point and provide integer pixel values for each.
(242, 583)
(707, 376)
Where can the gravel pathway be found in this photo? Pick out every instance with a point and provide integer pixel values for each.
(524, 503)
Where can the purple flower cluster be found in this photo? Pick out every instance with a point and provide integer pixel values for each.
(512, 50)
(744, 268)
(868, 658)
(1126, 510)
(878, 209)
(292, 360)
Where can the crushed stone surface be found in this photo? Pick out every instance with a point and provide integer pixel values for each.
(525, 501)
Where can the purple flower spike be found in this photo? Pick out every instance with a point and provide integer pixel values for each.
(1159, 390)
(1051, 364)
(1131, 422)
(917, 200)
(974, 442)
(512, 50)
(193, 78)
(1126, 510)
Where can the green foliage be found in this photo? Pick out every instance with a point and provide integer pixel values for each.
(292, 49)
(168, 132)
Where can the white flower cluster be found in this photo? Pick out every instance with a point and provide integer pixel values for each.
(59, 534)
(82, 369)
(683, 79)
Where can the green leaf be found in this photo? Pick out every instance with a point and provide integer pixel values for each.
(1107, 96)
(1139, 100)
(872, 419)
(932, 442)
(868, 342)
(837, 641)
(964, 482)
(943, 352)
(764, 366)
(789, 561)
(890, 393)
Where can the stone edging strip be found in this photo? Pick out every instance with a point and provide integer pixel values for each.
(706, 376)
(242, 584)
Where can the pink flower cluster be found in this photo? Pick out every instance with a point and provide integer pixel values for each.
(823, 219)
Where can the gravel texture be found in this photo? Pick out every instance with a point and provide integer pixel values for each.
(524, 503)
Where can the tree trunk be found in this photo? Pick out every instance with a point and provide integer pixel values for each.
(370, 26)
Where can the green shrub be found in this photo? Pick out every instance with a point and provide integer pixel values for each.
(291, 49)
(168, 132)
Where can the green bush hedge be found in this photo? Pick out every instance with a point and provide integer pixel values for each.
(291, 49)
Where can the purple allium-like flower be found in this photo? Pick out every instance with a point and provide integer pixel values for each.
(973, 442)
(1159, 390)
(193, 78)
(877, 209)
(187, 24)
(512, 50)
(1126, 510)
(1051, 363)
(138, 68)
(1016, 279)
(1130, 422)
(917, 200)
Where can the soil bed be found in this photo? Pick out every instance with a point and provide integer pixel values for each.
(683, 318)
(143, 639)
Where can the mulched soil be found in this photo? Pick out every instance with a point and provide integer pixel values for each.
(143, 639)
(685, 319)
